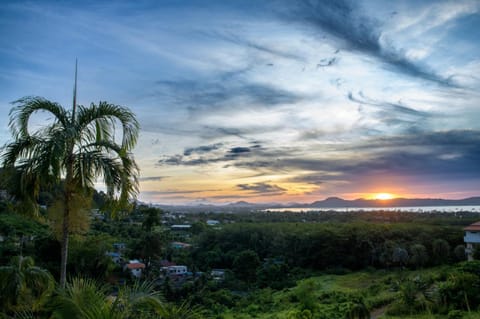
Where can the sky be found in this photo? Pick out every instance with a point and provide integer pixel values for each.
(266, 101)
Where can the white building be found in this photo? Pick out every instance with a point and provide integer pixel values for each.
(176, 270)
(472, 238)
(212, 222)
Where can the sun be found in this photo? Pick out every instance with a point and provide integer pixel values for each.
(383, 196)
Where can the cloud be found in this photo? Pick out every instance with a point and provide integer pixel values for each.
(345, 22)
(263, 48)
(238, 151)
(262, 188)
(453, 153)
(391, 114)
(199, 156)
(202, 149)
(204, 95)
(152, 178)
(177, 192)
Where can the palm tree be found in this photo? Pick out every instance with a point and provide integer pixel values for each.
(84, 298)
(24, 286)
(78, 147)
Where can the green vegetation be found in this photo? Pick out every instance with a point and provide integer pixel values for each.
(272, 269)
(246, 265)
(71, 152)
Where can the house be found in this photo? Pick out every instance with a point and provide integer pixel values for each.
(181, 227)
(175, 270)
(179, 245)
(166, 263)
(135, 267)
(472, 238)
(212, 222)
(119, 246)
(181, 232)
(218, 274)
(116, 257)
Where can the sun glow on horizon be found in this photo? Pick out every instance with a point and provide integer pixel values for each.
(383, 196)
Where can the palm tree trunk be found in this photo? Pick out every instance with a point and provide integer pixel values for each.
(66, 219)
(64, 244)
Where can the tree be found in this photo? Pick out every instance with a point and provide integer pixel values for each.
(24, 286)
(245, 265)
(78, 146)
(418, 255)
(441, 250)
(151, 218)
(459, 253)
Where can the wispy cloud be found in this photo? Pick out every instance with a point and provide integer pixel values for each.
(152, 178)
(265, 99)
(262, 188)
(352, 29)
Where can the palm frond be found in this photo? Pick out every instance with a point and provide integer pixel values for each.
(100, 119)
(26, 106)
(141, 295)
(117, 167)
(80, 297)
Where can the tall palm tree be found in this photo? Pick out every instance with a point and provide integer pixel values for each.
(77, 147)
(24, 286)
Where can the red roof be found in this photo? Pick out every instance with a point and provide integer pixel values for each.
(473, 227)
(166, 263)
(135, 266)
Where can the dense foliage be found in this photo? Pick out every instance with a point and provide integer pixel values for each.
(313, 265)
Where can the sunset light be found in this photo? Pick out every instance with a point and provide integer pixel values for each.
(383, 196)
(266, 101)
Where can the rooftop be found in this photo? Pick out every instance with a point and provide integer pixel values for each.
(136, 266)
(473, 227)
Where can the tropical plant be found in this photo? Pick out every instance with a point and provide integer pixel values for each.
(182, 311)
(85, 298)
(24, 286)
(357, 310)
(78, 146)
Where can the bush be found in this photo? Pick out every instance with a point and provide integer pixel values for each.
(455, 314)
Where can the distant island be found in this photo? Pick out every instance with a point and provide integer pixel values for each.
(336, 202)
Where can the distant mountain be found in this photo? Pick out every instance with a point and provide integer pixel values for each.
(336, 202)
(331, 202)
(241, 204)
(244, 204)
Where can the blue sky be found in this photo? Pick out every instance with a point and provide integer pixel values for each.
(266, 101)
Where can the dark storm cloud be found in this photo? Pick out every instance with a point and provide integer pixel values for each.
(344, 20)
(262, 188)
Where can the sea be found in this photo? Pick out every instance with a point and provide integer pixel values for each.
(413, 209)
